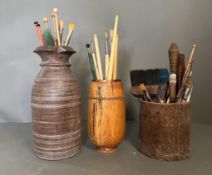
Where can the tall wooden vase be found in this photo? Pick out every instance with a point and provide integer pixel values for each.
(56, 106)
(106, 115)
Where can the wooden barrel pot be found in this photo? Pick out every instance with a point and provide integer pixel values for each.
(165, 130)
(106, 115)
(56, 106)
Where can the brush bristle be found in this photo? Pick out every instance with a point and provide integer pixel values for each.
(142, 87)
(106, 36)
(71, 26)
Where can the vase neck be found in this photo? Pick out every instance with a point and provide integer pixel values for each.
(55, 56)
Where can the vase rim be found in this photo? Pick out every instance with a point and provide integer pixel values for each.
(55, 49)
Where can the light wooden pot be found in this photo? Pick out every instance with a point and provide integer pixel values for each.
(106, 114)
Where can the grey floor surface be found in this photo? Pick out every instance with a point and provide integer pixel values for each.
(17, 158)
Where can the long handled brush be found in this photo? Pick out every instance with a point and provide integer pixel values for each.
(71, 27)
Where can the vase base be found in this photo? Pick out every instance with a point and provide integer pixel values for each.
(106, 150)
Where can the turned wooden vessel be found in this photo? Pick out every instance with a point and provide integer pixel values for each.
(165, 130)
(56, 106)
(106, 114)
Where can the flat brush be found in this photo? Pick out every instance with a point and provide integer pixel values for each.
(71, 28)
(162, 87)
(39, 32)
(137, 92)
(91, 61)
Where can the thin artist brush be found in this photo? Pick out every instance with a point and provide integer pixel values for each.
(94, 61)
(39, 32)
(91, 61)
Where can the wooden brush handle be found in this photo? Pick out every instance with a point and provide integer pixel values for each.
(98, 56)
(110, 71)
(95, 65)
(57, 25)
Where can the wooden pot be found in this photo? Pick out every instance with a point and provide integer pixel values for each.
(165, 130)
(106, 114)
(56, 106)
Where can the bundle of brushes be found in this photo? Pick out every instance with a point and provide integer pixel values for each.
(162, 86)
(47, 37)
(110, 57)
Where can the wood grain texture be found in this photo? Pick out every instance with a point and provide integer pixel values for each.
(165, 130)
(106, 114)
(56, 106)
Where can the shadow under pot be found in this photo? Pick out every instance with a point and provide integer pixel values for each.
(106, 115)
(56, 106)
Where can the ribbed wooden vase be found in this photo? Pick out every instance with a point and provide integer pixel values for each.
(56, 106)
(106, 115)
(165, 130)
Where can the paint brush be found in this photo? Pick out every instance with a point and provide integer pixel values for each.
(115, 58)
(98, 58)
(162, 87)
(146, 94)
(187, 92)
(57, 25)
(110, 70)
(48, 38)
(181, 69)
(91, 61)
(71, 27)
(39, 32)
(107, 59)
(45, 21)
(137, 92)
(172, 87)
(54, 26)
(61, 30)
(186, 74)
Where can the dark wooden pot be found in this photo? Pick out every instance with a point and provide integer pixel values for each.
(106, 115)
(165, 130)
(56, 106)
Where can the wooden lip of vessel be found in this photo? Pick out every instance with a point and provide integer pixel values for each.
(165, 130)
(106, 114)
